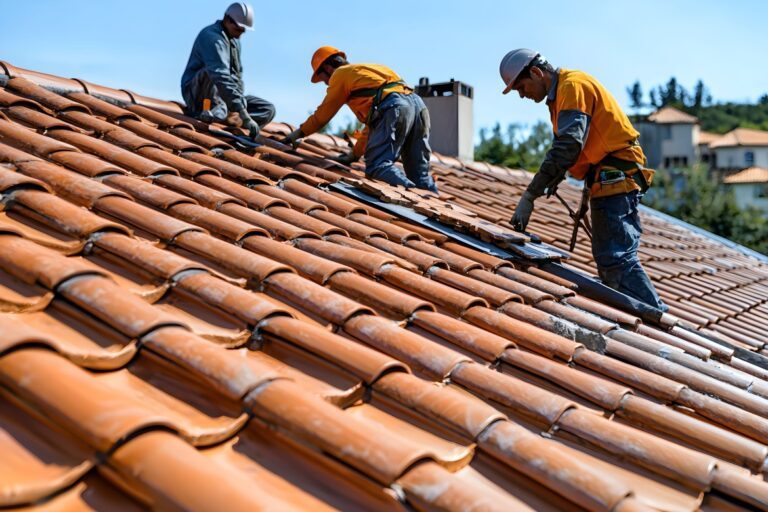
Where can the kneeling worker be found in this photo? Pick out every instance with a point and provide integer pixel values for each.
(596, 142)
(212, 84)
(396, 120)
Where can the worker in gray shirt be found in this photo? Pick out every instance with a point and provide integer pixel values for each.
(212, 84)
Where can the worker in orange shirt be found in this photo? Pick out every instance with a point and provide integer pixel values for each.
(594, 141)
(396, 120)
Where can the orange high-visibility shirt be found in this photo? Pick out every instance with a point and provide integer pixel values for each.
(610, 131)
(345, 80)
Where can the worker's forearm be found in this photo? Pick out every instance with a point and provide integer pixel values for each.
(230, 92)
(561, 157)
(572, 129)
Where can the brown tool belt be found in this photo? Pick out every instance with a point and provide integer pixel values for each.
(613, 176)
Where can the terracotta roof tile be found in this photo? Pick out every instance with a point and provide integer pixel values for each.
(387, 300)
(750, 175)
(38, 120)
(741, 137)
(142, 466)
(671, 115)
(40, 94)
(28, 474)
(156, 283)
(455, 301)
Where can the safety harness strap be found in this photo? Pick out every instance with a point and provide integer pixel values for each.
(373, 91)
(377, 94)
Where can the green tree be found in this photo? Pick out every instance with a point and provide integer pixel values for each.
(691, 195)
(714, 117)
(654, 101)
(635, 96)
(514, 148)
(700, 95)
(671, 93)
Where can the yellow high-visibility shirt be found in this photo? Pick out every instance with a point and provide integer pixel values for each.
(610, 131)
(344, 81)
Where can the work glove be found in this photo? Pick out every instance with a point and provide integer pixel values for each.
(552, 185)
(523, 212)
(233, 120)
(249, 124)
(345, 158)
(293, 138)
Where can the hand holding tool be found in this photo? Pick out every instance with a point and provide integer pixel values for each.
(293, 138)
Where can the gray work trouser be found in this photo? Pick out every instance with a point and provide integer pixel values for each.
(201, 87)
(400, 129)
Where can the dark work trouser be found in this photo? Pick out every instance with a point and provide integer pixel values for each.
(400, 129)
(201, 87)
(616, 234)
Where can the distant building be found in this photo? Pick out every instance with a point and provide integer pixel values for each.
(706, 156)
(670, 138)
(740, 160)
(750, 187)
(740, 149)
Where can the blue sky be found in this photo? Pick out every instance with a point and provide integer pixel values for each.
(143, 45)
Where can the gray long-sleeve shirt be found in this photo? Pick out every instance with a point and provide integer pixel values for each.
(572, 131)
(217, 56)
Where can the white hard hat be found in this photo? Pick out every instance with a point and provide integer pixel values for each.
(513, 64)
(242, 14)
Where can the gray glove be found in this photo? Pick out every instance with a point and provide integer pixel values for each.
(293, 138)
(345, 158)
(523, 212)
(552, 185)
(249, 124)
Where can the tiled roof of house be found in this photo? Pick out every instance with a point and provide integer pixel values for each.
(671, 115)
(187, 326)
(749, 175)
(708, 137)
(741, 137)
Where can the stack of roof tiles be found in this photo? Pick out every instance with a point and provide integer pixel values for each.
(185, 326)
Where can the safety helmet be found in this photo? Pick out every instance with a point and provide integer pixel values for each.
(321, 55)
(242, 14)
(513, 64)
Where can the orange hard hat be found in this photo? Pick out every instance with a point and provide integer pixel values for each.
(320, 56)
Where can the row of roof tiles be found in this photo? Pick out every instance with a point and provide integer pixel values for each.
(185, 326)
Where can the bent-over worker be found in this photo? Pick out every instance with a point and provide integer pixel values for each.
(212, 83)
(396, 120)
(595, 141)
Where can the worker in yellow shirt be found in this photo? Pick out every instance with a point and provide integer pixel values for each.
(396, 120)
(594, 141)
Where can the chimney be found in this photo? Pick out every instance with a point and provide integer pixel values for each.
(450, 110)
